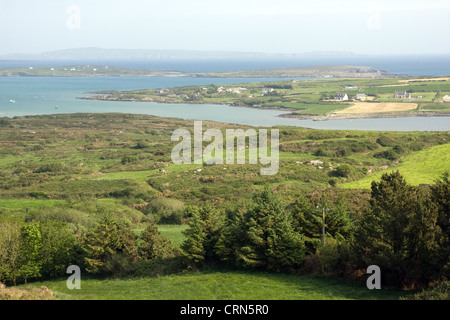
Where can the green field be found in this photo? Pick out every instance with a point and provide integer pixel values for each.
(421, 167)
(219, 285)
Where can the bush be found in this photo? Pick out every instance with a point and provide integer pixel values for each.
(51, 167)
(166, 210)
(129, 159)
(344, 170)
(388, 154)
(38, 195)
(333, 181)
(438, 292)
(142, 145)
(4, 122)
(322, 153)
(385, 141)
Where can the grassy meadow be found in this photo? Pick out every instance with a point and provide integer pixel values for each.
(219, 285)
(421, 167)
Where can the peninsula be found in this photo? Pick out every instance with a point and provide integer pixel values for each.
(318, 98)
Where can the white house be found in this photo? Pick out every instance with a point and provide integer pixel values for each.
(236, 90)
(341, 96)
(361, 96)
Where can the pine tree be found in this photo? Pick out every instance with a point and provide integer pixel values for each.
(285, 247)
(398, 232)
(102, 244)
(153, 245)
(269, 239)
(307, 220)
(339, 221)
(440, 195)
(230, 238)
(202, 235)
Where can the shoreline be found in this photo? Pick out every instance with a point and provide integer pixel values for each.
(292, 114)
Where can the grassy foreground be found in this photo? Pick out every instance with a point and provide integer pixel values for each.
(218, 285)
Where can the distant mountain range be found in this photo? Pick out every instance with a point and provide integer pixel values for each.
(93, 54)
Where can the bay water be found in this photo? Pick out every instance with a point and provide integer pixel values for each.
(41, 95)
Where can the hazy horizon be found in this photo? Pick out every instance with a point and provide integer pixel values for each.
(285, 26)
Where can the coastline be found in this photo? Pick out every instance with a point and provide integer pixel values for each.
(292, 114)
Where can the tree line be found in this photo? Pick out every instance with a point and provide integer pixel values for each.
(404, 230)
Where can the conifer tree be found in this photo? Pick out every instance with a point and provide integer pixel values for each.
(440, 195)
(269, 239)
(307, 220)
(153, 245)
(230, 239)
(398, 232)
(102, 244)
(286, 247)
(193, 245)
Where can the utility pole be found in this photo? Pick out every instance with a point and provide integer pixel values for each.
(323, 223)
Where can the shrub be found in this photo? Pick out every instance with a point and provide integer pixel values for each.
(52, 167)
(38, 194)
(387, 154)
(322, 153)
(344, 170)
(385, 141)
(166, 210)
(129, 159)
(153, 246)
(438, 292)
(142, 145)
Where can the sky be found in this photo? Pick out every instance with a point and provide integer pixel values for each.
(280, 26)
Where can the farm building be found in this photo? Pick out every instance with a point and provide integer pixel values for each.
(402, 95)
(361, 96)
(446, 98)
(341, 96)
(267, 90)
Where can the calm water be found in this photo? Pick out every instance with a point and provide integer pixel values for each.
(35, 96)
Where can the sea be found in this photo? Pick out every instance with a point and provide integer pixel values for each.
(41, 95)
